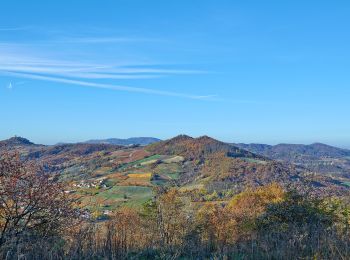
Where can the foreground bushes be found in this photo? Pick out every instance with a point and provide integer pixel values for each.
(266, 223)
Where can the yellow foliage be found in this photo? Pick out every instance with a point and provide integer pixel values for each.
(226, 224)
(140, 175)
(248, 205)
(272, 193)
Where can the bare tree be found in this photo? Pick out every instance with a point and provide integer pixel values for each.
(30, 201)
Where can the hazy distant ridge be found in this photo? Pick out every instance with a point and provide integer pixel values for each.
(128, 141)
(285, 151)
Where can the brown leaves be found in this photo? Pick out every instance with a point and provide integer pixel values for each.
(30, 200)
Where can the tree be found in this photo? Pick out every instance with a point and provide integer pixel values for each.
(247, 206)
(31, 203)
(223, 226)
(124, 232)
(172, 219)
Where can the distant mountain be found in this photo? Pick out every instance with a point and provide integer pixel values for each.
(129, 141)
(256, 148)
(317, 157)
(71, 150)
(290, 151)
(16, 141)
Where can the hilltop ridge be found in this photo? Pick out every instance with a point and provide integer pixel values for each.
(289, 150)
(197, 148)
(16, 141)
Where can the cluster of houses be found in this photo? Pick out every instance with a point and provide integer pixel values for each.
(98, 183)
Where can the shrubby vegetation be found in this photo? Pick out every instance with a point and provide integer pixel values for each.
(39, 221)
(34, 210)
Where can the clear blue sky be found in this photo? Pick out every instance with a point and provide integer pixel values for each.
(240, 71)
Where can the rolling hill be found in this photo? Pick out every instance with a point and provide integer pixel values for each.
(197, 148)
(16, 141)
(106, 176)
(287, 151)
(317, 157)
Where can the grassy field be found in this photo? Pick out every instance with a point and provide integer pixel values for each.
(253, 160)
(128, 185)
(192, 186)
(117, 196)
(174, 159)
(168, 168)
(347, 183)
(139, 162)
(172, 176)
(133, 196)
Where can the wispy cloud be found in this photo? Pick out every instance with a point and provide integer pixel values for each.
(107, 86)
(51, 64)
(89, 70)
(101, 40)
(3, 29)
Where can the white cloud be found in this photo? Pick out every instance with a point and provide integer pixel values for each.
(50, 64)
(107, 86)
(17, 59)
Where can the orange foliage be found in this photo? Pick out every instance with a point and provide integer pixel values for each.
(226, 224)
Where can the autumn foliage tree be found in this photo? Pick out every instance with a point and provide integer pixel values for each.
(31, 203)
(170, 217)
(223, 225)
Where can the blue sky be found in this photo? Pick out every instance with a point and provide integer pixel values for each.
(240, 71)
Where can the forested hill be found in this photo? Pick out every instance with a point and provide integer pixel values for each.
(286, 151)
(197, 148)
(317, 157)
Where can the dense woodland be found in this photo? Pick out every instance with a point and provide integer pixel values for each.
(39, 220)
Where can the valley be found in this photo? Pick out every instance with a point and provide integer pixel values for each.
(105, 177)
